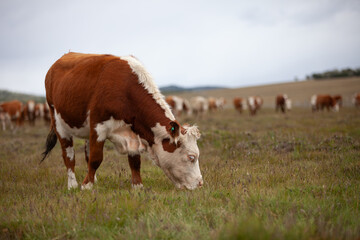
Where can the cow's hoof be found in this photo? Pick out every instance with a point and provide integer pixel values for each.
(72, 185)
(137, 186)
(87, 186)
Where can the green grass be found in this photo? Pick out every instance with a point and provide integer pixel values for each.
(266, 177)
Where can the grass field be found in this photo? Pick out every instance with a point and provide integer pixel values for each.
(272, 176)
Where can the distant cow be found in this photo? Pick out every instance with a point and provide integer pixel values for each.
(283, 103)
(338, 99)
(178, 105)
(254, 104)
(99, 97)
(356, 100)
(199, 105)
(216, 103)
(11, 111)
(29, 111)
(319, 102)
(238, 104)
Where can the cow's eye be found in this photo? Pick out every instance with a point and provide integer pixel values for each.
(191, 158)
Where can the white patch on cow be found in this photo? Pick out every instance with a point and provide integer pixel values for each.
(87, 186)
(145, 79)
(121, 135)
(70, 153)
(66, 132)
(313, 100)
(178, 103)
(176, 165)
(31, 106)
(251, 103)
(336, 107)
(72, 183)
(288, 104)
(41, 109)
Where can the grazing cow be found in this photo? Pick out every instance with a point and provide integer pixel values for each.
(99, 97)
(282, 102)
(212, 104)
(11, 111)
(356, 100)
(39, 110)
(319, 102)
(254, 104)
(178, 105)
(338, 99)
(29, 111)
(238, 104)
(199, 105)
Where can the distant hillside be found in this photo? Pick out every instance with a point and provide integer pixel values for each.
(174, 88)
(8, 96)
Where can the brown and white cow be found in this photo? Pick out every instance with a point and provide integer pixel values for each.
(338, 99)
(29, 112)
(283, 103)
(319, 102)
(11, 111)
(356, 100)
(254, 104)
(238, 104)
(178, 105)
(99, 97)
(199, 105)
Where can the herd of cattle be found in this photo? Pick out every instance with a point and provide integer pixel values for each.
(16, 112)
(200, 105)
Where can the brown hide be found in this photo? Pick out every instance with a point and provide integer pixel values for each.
(238, 104)
(338, 99)
(325, 101)
(14, 109)
(280, 103)
(357, 100)
(105, 86)
(212, 104)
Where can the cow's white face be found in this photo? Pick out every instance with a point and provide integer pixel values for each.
(180, 161)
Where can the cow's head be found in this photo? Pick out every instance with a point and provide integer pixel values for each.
(177, 154)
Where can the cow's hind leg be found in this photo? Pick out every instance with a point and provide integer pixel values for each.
(94, 161)
(69, 160)
(135, 164)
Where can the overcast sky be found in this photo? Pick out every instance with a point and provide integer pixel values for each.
(187, 43)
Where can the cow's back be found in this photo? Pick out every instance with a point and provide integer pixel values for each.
(75, 84)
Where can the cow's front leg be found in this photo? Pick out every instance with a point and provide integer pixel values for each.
(135, 163)
(68, 155)
(94, 161)
(87, 156)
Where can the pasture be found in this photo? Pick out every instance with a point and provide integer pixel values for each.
(272, 176)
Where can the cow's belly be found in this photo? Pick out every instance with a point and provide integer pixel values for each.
(65, 131)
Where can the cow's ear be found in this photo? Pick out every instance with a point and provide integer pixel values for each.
(174, 129)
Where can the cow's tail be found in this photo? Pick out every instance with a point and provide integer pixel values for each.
(50, 143)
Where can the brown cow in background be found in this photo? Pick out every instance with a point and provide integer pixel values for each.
(11, 111)
(356, 100)
(29, 112)
(338, 99)
(319, 102)
(238, 104)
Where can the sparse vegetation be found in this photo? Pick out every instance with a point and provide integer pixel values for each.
(273, 176)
